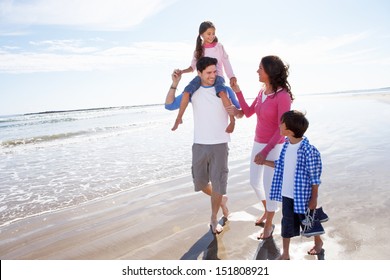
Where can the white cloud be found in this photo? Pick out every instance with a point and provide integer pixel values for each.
(70, 55)
(88, 55)
(87, 14)
(316, 51)
(70, 46)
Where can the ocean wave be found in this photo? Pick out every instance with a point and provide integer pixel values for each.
(40, 139)
(66, 117)
(97, 131)
(10, 123)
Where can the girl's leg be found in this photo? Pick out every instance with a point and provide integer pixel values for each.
(193, 85)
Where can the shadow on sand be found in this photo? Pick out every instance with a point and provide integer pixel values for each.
(321, 255)
(206, 246)
(267, 250)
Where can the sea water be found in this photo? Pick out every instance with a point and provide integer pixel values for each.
(53, 160)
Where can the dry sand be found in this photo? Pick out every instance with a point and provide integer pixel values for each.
(168, 221)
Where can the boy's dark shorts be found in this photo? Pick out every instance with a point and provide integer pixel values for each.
(291, 222)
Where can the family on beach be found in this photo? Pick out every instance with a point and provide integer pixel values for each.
(284, 166)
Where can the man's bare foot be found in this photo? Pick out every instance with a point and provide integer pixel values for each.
(225, 210)
(267, 232)
(216, 228)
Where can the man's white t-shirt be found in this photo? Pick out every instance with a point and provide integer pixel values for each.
(210, 117)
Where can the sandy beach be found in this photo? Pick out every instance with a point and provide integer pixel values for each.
(167, 220)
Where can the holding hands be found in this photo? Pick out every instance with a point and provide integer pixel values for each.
(259, 159)
(235, 87)
(232, 110)
(176, 76)
(233, 82)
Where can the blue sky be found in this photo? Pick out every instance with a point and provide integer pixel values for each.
(68, 54)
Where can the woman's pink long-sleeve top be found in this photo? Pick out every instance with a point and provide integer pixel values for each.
(268, 114)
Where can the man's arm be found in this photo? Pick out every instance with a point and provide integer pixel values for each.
(227, 103)
(171, 101)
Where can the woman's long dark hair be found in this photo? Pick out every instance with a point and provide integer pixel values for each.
(277, 72)
(199, 50)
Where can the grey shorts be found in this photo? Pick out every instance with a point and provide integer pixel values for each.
(210, 164)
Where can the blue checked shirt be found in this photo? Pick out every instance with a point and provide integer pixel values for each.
(307, 173)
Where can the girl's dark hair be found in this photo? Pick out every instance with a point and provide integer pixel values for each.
(277, 72)
(199, 50)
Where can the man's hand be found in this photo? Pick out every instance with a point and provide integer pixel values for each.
(178, 71)
(176, 76)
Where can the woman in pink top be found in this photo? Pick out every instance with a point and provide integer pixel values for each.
(273, 100)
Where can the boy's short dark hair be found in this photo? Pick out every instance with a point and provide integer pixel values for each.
(205, 62)
(296, 122)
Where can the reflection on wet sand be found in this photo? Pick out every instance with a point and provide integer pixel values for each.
(267, 250)
(207, 246)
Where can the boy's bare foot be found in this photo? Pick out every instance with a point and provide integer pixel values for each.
(225, 210)
(317, 249)
(216, 228)
(284, 257)
(176, 125)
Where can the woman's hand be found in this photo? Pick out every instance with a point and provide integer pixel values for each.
(233, 82)
(259, 159)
